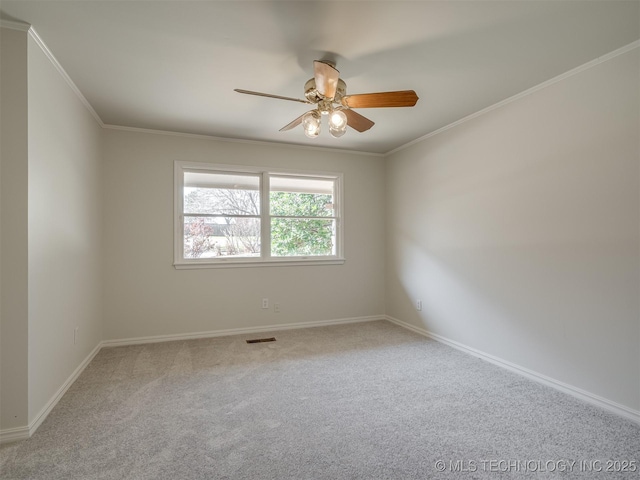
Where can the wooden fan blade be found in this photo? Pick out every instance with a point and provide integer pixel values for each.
(326, 79)
(293, 124)
(357, 121)
(403, 98)
(249, 92)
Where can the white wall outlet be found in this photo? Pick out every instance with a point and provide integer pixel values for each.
(276, 308)
(265, 303)
(75, 335)
(419, 305)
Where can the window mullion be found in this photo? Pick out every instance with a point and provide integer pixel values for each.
(178, 193)
(265, 220)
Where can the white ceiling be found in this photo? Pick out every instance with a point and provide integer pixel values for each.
(173, 65)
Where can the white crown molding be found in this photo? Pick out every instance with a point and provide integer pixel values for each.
(64, 74)
(588, 397)
(518, 96)
(23, 27)
(43, 46)
(604, 58)
(239, 140)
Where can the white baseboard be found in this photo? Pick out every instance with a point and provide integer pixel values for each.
(237, 331)
(9, 435)
(588, 397)
(22, 433)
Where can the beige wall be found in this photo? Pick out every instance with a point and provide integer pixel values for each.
(146, 296)
(13, 237)
(51, 248)
(65, 230)
(519, 230)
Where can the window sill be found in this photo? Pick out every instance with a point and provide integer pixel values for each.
(236, 263)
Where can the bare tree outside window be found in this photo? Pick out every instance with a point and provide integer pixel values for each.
(233, 229)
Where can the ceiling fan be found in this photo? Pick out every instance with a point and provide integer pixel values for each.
(329, 92)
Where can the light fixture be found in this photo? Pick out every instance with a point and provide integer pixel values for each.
(311, 123)
(328, 92)
(337, 123)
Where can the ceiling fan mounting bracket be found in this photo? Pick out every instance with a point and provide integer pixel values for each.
(326, 106)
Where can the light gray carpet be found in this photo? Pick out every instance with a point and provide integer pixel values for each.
(360, 401)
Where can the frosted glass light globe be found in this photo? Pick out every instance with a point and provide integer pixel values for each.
(337, 123)
(337, 119)
(311, 124)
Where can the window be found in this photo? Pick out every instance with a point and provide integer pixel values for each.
(242, 216)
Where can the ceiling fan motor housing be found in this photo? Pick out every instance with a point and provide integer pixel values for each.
(311, 92)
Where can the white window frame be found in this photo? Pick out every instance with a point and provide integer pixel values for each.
(265, 258)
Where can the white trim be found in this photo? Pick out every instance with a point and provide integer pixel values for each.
(252, 169)
(239, 263)
(261, 143)
(28, 28)
(23, 27)
(265, 205)
(22, 433)
(588, 397)
(9, 435)
(238, 331)
(35, 423)
(64, 75)
(518, 96)
(264, 259)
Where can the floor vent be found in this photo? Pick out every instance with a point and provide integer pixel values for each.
(262, 340)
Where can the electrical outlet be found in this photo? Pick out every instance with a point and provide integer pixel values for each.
(265, 303)
(276, 308)
(75, 335)
(419, 305)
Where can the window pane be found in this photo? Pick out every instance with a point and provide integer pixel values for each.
(301, 204)
(291, 237)
(301, 197)
(221, 193)
(208, 237)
